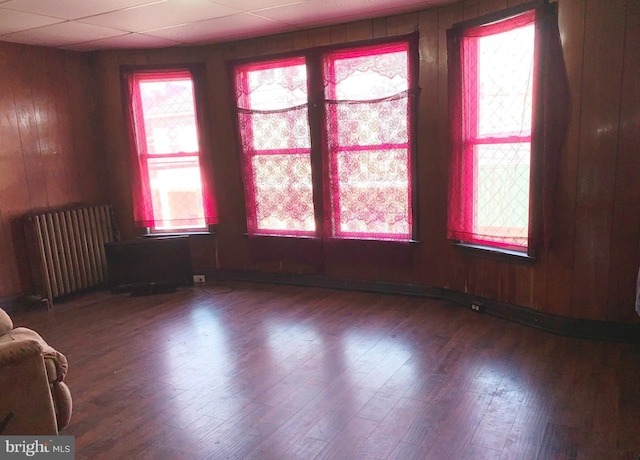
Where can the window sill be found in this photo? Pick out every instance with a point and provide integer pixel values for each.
(275, 235)
(504, 255)
(313, 237)
(175, 234)
(371, 240)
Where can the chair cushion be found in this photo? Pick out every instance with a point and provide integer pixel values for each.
(5, 322)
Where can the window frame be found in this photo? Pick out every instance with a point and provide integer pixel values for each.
(527, 13)
(131, 78)
(319, 155)
(246, 164)
(330, 110)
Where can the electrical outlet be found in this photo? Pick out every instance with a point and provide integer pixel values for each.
(476, 306)
(198, 278)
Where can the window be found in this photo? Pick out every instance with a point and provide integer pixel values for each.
(274, 127)
(509, 107)
(356, 182)
(367, 136)
(169, 191)
(490, 203)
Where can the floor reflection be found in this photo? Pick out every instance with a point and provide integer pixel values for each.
(199, 360)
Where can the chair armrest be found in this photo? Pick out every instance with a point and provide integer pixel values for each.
(55, 361)
(5, 322)
(25, 390)
(13, 352)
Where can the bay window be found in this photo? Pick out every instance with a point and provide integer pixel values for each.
(327, 142)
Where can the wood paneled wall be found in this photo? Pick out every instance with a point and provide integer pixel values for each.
(590, 269)
(48, 155)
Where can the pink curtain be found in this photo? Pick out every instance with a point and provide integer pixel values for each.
(537, 139)
(273, 128)
(147, 160)
(367, 136)
(363, 144)
(140, 190)
(555, 106)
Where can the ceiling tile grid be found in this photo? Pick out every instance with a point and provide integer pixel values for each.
(86, 25)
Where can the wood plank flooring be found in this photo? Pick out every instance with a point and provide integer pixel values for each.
(259, 371)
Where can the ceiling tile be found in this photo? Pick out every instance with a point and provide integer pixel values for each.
(64, 33)
(182, 21)
(131, 40)
(255, 5)
(227, 28)
(13, 21)
(71, 9)
(163, 14)
(322, 12)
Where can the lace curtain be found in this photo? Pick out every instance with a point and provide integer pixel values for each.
(274, 133)
(367, 123)
(172, 180)
(499, 73)
(353, 193)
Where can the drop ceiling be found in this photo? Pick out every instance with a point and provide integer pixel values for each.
(86, 25)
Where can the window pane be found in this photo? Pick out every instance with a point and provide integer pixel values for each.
(176, 189)
(370, 77)
(274, 129)
(374, 123)
(283, 192)
(169, 116)
(367, 120)
(502, 193)
(374, 192)
(277, 88)
(505, 79)
(288, 129)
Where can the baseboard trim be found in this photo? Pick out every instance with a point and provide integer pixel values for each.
(570, 327)
(15, 303)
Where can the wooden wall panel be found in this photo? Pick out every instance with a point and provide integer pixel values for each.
(49, 136)
(64, 125)
(379, 26)
(599, 122)
(402, 25)
(338, 33)
(454, 274)
(470, 9)
(429, 165)
(625, 253)
(14, 193)
(356, 31)
(586, 272)
(320, 37)
(233, 226)
(24, 66)
(489, 6)
(88, 180)
(38, 166)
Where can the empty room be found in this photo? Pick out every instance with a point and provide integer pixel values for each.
(282, 229)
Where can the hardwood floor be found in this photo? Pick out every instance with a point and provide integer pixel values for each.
(281, 372)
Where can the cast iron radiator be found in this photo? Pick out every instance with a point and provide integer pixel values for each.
(66, 248)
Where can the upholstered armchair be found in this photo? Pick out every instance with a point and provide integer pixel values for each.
(34, 400)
